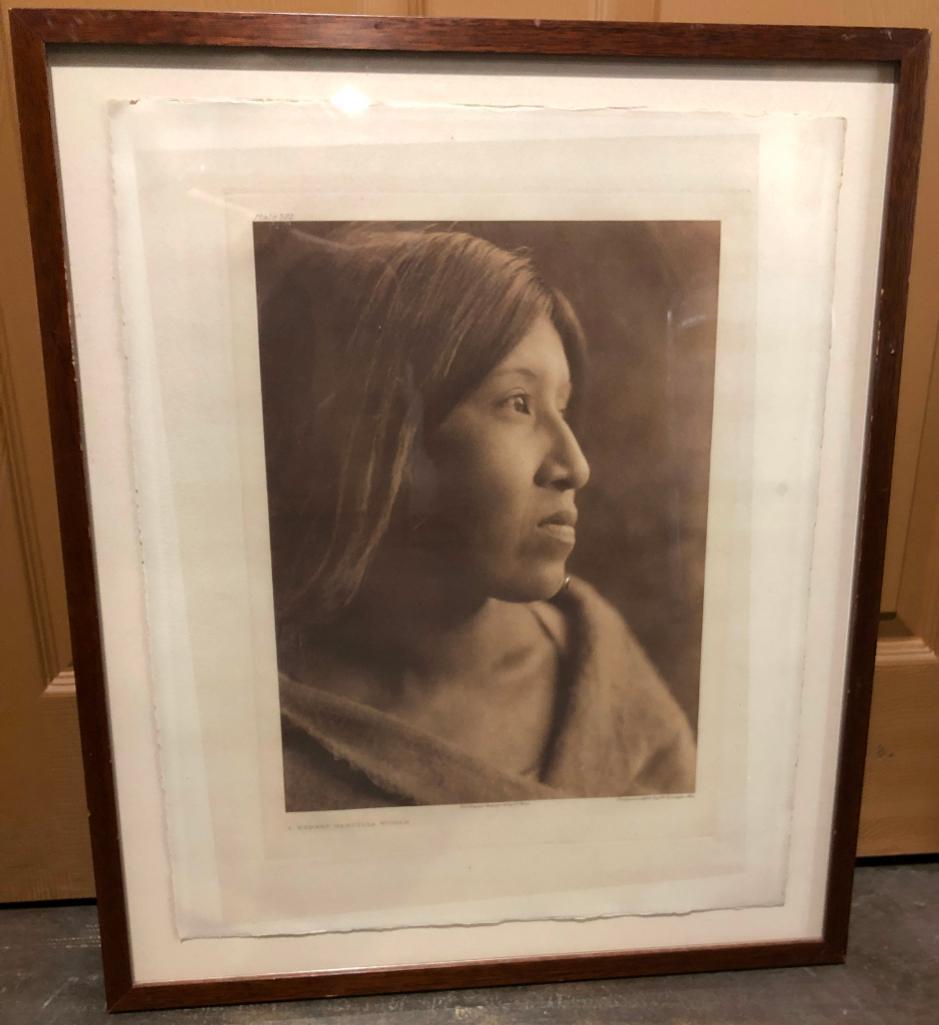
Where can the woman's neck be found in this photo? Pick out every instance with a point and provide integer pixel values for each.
(474, 671)
(427, 623)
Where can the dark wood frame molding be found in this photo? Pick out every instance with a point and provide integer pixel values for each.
(34, 32)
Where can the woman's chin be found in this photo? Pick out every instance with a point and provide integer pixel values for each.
(535, 586)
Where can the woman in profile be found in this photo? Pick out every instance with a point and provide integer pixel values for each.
(420, 390)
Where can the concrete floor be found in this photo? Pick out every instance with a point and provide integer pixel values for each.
(50, 972)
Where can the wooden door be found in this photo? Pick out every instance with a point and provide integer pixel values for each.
(44, 850)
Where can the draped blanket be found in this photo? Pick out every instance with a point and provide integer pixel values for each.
(617, 732)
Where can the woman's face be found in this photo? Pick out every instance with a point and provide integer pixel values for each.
(507, 468)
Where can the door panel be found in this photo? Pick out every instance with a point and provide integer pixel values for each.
(44, 848)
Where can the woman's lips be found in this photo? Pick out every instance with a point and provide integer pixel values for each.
(560, 531)
(560, 525)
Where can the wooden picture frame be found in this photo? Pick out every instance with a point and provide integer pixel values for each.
(895, 58)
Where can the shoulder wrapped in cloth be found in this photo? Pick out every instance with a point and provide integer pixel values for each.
(617, 732)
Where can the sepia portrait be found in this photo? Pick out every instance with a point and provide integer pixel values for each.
(487, 459)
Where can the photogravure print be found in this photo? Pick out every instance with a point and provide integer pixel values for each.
(447, 410)
(446, 520)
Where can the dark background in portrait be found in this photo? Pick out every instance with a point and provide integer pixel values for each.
(646, 295)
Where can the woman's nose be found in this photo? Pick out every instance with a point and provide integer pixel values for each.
(566, 466)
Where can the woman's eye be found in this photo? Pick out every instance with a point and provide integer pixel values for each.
(520, 404)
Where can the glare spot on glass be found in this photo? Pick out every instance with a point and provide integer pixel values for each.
(350, 100)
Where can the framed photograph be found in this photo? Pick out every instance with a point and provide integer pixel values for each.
(473, 444)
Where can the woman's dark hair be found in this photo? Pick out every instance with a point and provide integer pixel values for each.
(369, 337)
